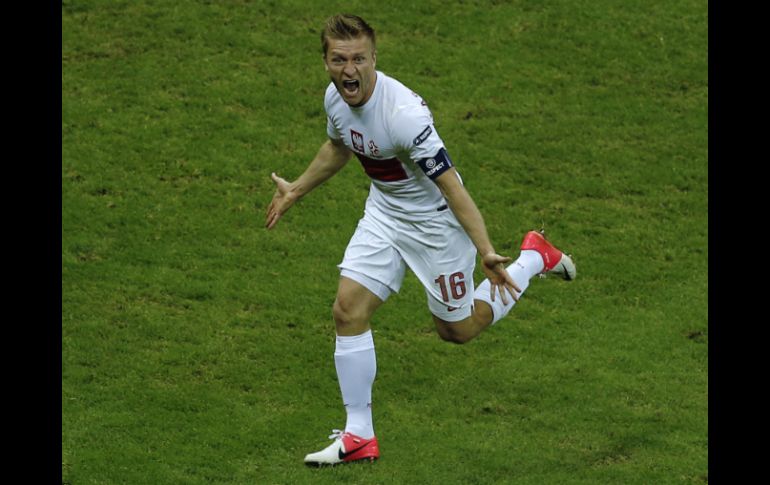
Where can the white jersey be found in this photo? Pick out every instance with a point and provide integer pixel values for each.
(393, 136)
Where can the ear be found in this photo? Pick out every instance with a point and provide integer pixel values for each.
(326, 66)
(374, 58)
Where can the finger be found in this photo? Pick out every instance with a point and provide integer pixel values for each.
(513, 289)
(273, 207)
(273, 220)
(279, 181)
(272, 215)
(501, 289)
(508, 281)
(513, 295)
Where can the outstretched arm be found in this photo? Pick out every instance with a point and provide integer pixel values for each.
(470, 218)
(331, 157)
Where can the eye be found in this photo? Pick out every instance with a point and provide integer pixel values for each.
(360, 59)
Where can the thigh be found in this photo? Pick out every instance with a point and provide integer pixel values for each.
(371, 252)
(443, 258)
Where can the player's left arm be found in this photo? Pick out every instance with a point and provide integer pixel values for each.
(469, 216)
(413, 129)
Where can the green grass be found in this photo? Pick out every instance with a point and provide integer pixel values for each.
(197, 347)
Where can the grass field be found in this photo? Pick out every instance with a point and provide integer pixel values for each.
(197, 346)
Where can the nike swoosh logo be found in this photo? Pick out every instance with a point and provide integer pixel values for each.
(452, 308)
(566, 273)
(344, 455)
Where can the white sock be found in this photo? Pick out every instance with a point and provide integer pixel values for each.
(522, 270)
(356, 367)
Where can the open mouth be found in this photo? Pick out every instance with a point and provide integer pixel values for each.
(350, 86)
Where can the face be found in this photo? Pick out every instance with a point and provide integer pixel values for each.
(350, 64)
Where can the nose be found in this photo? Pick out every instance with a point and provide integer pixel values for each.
(349, 69)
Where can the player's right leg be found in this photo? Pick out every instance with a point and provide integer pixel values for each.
(370, 271)
(356, 365)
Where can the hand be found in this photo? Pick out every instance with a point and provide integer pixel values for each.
(499, 279)
(282, 200)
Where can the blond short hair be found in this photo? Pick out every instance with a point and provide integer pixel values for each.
(344, 27)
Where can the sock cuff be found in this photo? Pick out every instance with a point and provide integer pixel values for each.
(354, 343)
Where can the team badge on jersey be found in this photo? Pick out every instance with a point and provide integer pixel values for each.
(358, 141)
(374, 149)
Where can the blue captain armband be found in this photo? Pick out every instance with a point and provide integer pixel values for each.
(435, 165)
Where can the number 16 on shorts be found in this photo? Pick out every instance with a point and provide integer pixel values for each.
(454, 283)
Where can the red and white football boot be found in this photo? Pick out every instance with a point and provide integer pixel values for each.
(346, 448)
(555, 261)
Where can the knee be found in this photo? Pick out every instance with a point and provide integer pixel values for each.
(460, 332)
(346, 313)
(455, 337)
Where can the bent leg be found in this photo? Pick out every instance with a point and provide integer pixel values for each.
(465, 330)
(485, 311)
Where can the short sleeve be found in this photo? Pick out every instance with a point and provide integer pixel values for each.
(413, 131)
(331, 130)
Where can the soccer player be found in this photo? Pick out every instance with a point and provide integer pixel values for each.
(418, 214)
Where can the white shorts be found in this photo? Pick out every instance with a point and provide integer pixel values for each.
(438, 252)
